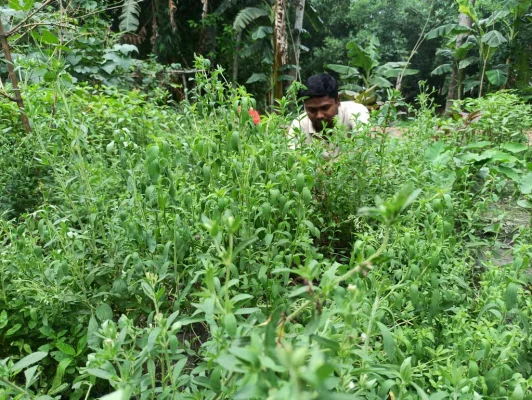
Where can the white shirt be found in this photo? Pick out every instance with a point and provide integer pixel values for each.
(349, 114)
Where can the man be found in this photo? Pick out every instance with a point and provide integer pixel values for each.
(322, 105)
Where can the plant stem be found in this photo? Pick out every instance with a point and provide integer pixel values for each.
(14, 79)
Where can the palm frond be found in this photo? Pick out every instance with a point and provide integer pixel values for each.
(129, 17)
(246, 16)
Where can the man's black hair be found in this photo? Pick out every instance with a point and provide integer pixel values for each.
(320, 85)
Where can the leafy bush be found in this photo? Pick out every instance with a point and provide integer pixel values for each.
(192, 254)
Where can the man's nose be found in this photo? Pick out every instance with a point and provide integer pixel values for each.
(320, 115)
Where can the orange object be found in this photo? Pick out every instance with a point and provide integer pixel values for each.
(255, 115)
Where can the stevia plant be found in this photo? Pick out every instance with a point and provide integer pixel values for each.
(189, 253)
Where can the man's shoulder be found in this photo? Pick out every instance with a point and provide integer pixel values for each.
(352, 105)
(351, 112)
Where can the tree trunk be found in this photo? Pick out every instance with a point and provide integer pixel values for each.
(280, 47)
(298, 27)
(14, 79)
(235, 57)
(203, 34)
(455, 85)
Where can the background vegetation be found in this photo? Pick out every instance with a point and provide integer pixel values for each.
(157, 241)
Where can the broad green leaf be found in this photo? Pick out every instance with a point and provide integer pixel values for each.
(380, 82)
(524, 204)
(359, 57)
(499, 156)
(442, 69)
(257, 77)
(467, 62)
(494, 39)
(444, 30)
(515, 147)
(497, 77)
(129, 16)
(246, 16)
(346, 71)
(395, 72)
(29, 360)
(526, 184)
(261, 32)
(434, 150)
(48, 37)
(21, 5)
(104, 312)
(466, 9)
(511, 173)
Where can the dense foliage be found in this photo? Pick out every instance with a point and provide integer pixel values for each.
(160, 239)
(193, 254)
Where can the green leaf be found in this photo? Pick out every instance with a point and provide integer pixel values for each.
(3, 319)
(442, 69)
(261, 32)
(387, 341)
(510, 296)
(511, 173)
(496, 155)
(444, 30)
(497, 77)
(246, 16)
(359, 57)
(48, 37)
(60, 372)
(29, 360)
(467, 62)
(257, 77)
(21, 5)
(14, 329)
(380, 81)
(178, 368)
(104, 312)
(93, 340)
(346, 71)
(242, 245)
(515, 147)
(30, 375)
(493, 39)
(433, 151)
(101, 373)
(66, 348)
(129, 17)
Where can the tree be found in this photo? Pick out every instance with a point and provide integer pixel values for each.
(456, 74)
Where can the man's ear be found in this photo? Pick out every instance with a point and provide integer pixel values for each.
(338, 99)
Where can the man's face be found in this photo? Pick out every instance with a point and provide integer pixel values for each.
(321, 111)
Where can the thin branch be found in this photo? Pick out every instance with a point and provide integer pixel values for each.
(14, 30)
(4, 94)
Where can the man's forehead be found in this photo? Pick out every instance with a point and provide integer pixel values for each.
(319, 101)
